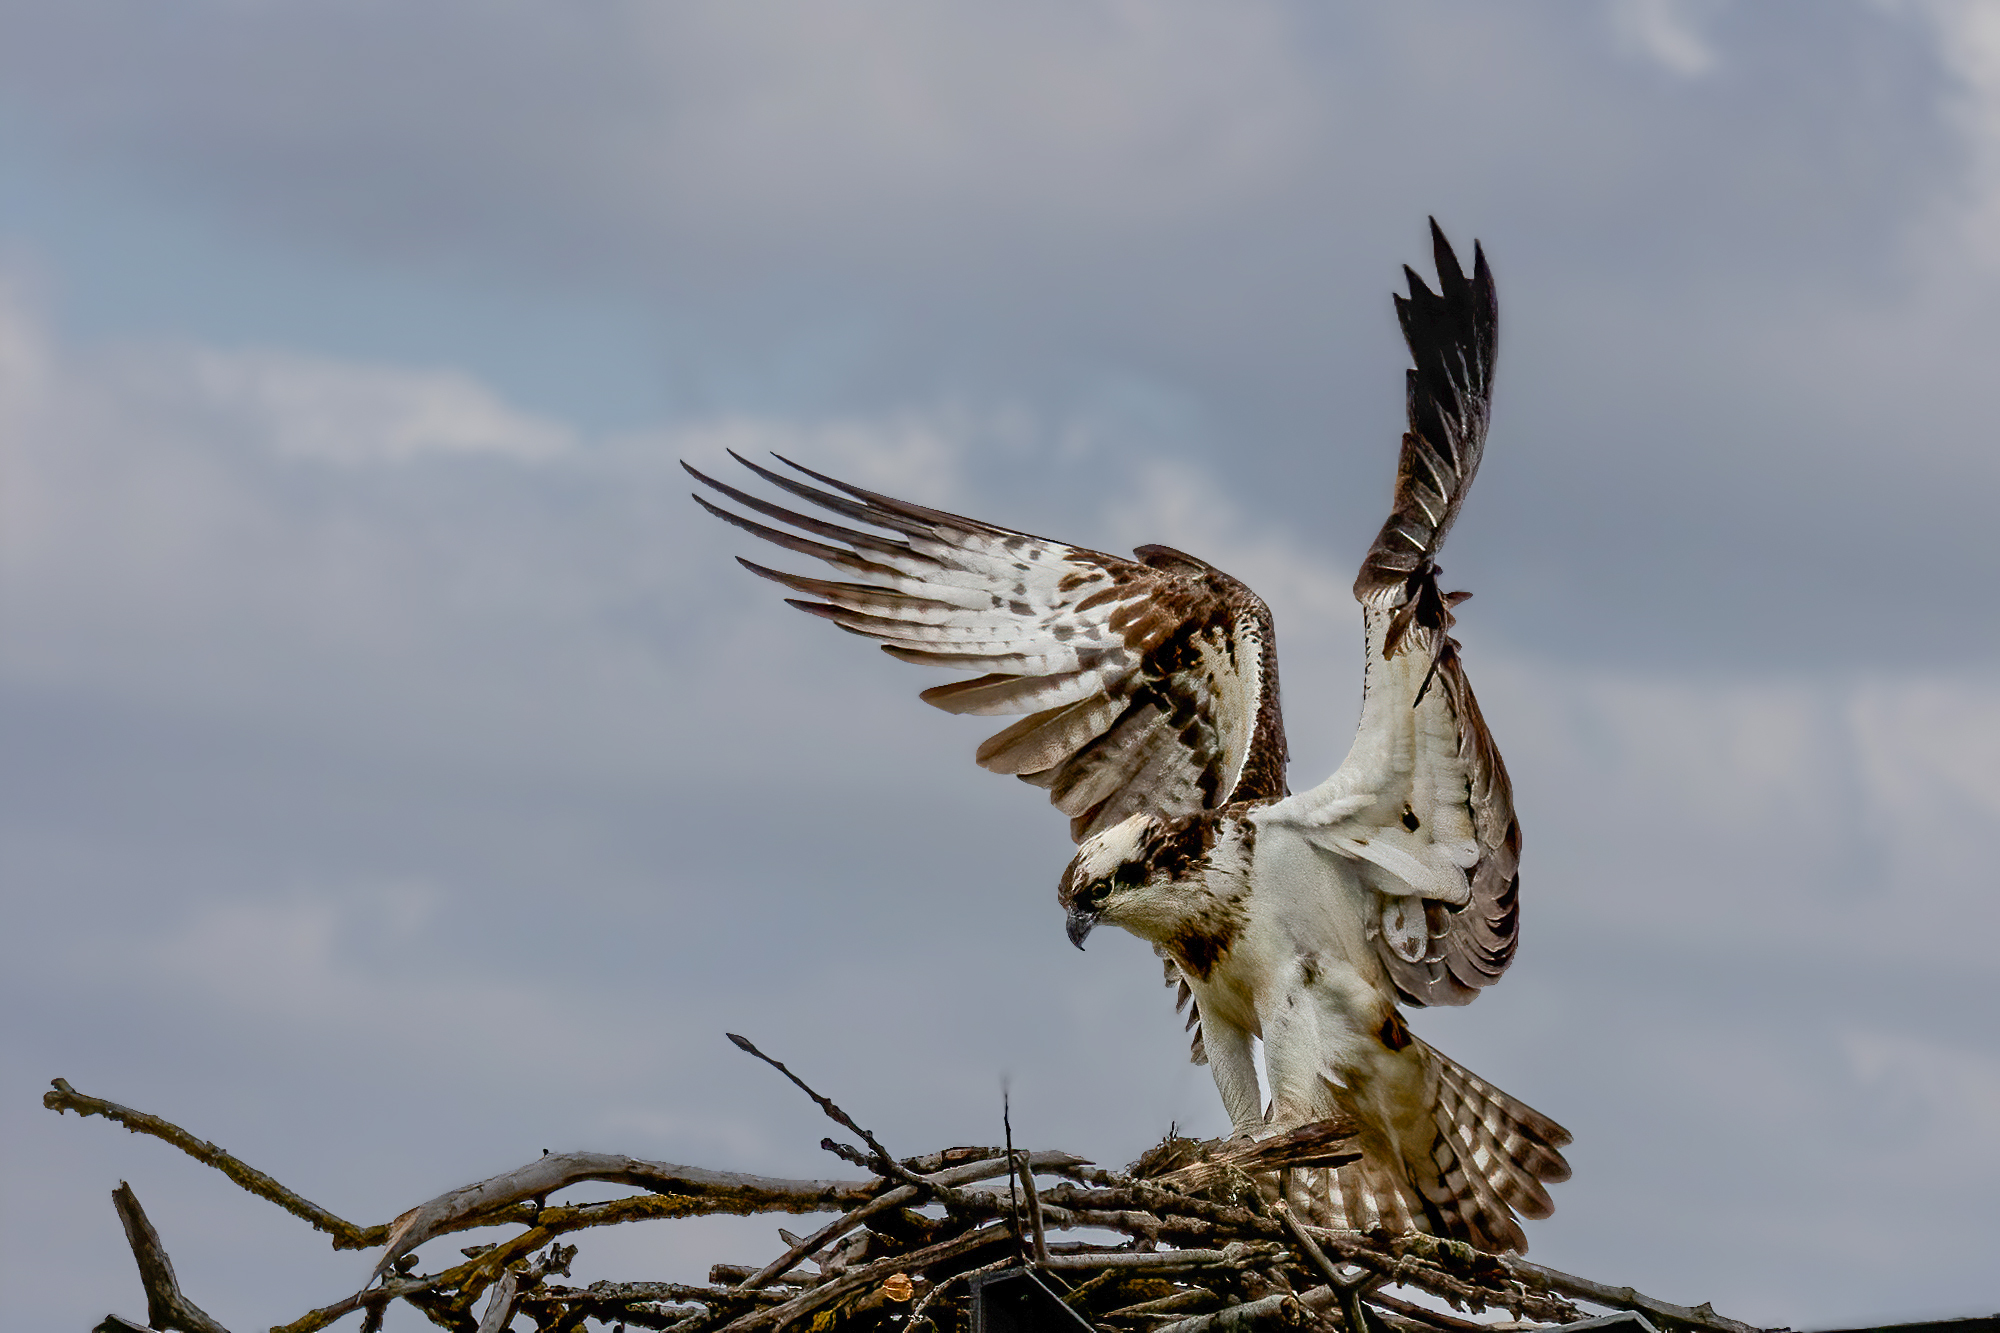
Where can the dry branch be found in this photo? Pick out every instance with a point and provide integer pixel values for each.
(1283, 1310)
(699, 1190)
(166, 1308)
(1208, 1246)
(1701, 1316)
(346, 1235)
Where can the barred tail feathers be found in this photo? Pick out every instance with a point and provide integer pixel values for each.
(1492, 1159)
(1359, 1196)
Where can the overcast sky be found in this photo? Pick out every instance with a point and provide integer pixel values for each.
(401, 778)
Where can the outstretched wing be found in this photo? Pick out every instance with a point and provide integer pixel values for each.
(1150, 685)
(1422, 802)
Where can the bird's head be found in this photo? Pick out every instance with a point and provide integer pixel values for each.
(1107, 876)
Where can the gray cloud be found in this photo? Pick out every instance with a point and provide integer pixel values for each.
(1733, 241)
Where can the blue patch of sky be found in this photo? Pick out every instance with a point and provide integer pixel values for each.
(116, 256)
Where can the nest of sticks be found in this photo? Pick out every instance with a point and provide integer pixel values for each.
(1195, 1237)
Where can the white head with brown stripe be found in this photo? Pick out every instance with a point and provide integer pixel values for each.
(1108, 879)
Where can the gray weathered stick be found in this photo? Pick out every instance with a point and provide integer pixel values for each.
(884, 1163)
(964, 1174)
(1310, 1247)
(1622, 1298)
(867, 1275)
(1027, 1176)
(1236, 1255)
(346, 1235)
(1424, 1314)
(1282, 1310)
(729, 1191)
(166, 1308)
(501, 1307)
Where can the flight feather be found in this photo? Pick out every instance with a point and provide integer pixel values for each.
(1149, 684)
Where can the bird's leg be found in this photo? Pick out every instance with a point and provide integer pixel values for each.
(1295, 1059)
(1235, 1069)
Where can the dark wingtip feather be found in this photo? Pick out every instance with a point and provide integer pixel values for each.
(833, 555)
(1452, 334)
(1419, 289)
(1450, 275)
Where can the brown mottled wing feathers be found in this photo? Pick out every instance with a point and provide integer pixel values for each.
(1149, 685)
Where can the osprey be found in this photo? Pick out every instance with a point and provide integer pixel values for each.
(1150, 688)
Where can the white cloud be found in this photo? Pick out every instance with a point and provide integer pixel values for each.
(313, 407)
(1666, 32)
(371, 965)
(1778, 813)
(304, 543)
(912, 455)
(171, 517)
(903, 95)
(707, 123)
(1966, 41)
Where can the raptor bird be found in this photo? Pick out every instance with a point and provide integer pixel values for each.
(1150, 688)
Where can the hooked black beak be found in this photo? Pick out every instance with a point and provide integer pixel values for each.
(1080, 922)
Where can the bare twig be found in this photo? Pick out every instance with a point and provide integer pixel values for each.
(1348, 1288)
(561, 1219)
(1027, 1176)
(901, 1197)
(1182, 1301)
(1425, 1315)
(1007, 1133)
(394, 1289)
(610, 1296)
(641, 1303)
(346, 1235)
(849, 1283)
(1311, 1249)
(917, 1313)
(1450, 1269)
(1238, 1255)
(501, 1307)
(1186, 1165)
(1282, 1310)
(718, 1191)
(884, 1163)
(166, 1308)
(1701, 1316)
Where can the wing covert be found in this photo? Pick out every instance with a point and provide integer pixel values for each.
(1148, 684)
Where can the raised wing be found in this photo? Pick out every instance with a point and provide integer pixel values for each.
(1150, 685)
(1422, 802)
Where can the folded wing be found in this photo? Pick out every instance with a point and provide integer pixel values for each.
(1148, 685)
(1422, 802)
